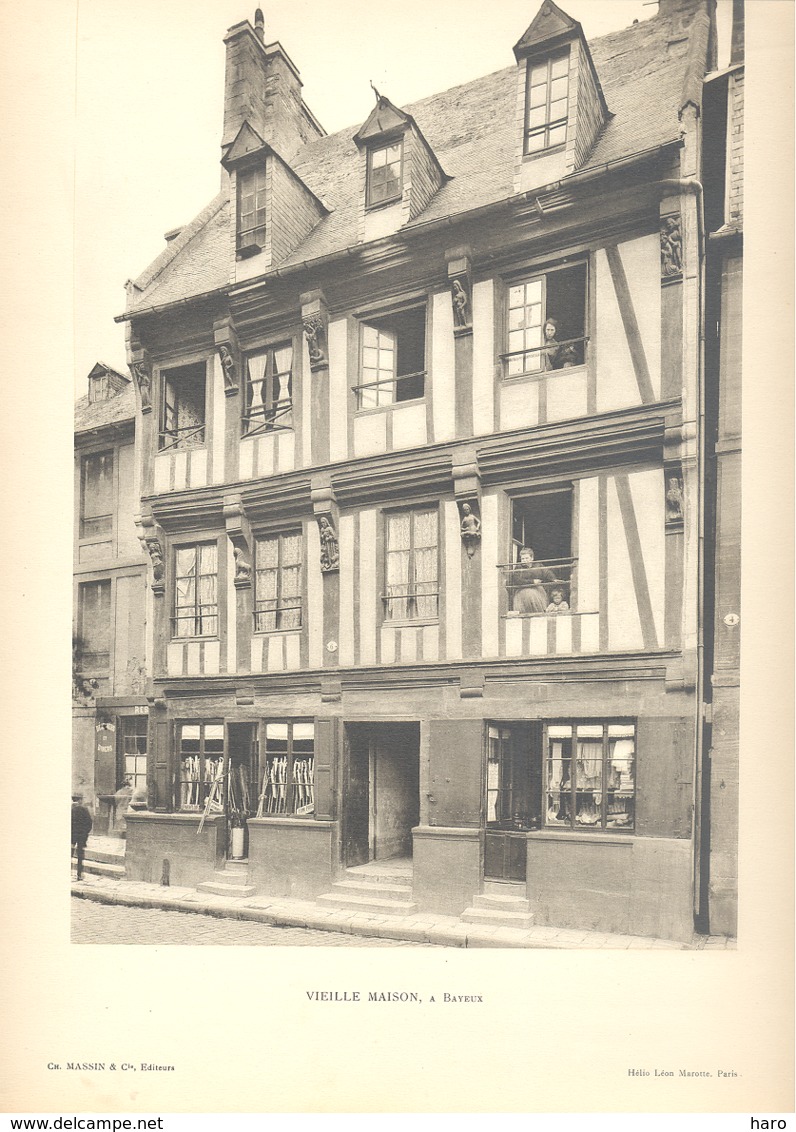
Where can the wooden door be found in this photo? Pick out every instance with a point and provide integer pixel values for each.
(356, 798)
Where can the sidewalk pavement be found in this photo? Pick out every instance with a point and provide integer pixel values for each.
(444, 931)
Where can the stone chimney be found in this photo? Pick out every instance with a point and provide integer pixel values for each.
(737, 45)
(263, 87)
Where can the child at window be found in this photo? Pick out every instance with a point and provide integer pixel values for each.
(557, 603)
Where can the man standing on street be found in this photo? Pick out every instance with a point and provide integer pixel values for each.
(81, 827)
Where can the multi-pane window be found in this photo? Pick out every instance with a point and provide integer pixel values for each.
(547, 321)
(196, 591)
(509, 779)
(384, 174)
(269, 389)
(96, 495)
(412, 565)
(94, 625)
(546, 103)
(201, 766)
(251, 210)
(134, 746)
(541, 575)
(183, 407)
(277, 585)
(590, 775)
(288, 781)
(393, 359)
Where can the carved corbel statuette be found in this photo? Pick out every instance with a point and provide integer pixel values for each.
(330, 553)
(143, 380)
(671, 247)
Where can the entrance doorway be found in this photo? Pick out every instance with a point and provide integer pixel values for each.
(513, 798)
(381, 791)
(239, 797)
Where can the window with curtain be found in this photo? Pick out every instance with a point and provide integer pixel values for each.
(183, 407)
(546, 103)
(590, 775)
(196, 591)
(412, 576)
(277, 583)
(269, 390)
(94, 626)
(96, 495)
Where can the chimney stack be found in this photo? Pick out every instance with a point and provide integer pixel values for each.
(738, 33)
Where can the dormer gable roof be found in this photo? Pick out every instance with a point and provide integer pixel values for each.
(384, 119)
(247, 142)
(549, 25)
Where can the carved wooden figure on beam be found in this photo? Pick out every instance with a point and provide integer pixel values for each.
(671, 247)
(330, 553)
(155, 551)
(243, 569)
(144, 383)
(674, 500)
(228, 368)
(314, 332)
(461, 303)
(470, 529)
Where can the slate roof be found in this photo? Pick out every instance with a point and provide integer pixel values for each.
(644, 73)
(115, 410)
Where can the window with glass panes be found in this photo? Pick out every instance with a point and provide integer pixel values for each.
(134, 748)
(277, 583)
(546, 103)
(590, 778)
(251, 209)
(183, 407)
(196, 591)
(559, 297)
(288, 770)
(384, 173)
(94, 625)
(201, 764)
(412, 574)
(393, 359)
(96, 495)
(269, 389)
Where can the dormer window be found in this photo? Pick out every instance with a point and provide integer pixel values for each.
(384, 174)
(251, 210)
(546, 102)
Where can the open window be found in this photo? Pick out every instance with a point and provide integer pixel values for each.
(547, 321)
(385, 174)
(540, 573)
(393, 359)
(269, 390)
(183, 407)
(250, 233)
(590, 775)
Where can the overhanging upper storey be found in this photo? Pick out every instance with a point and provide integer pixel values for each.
(561, 108)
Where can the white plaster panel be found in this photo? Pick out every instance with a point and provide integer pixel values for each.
(588, 545)
(346, 637)
(489, 576)
(409, 426)
(162, 472)
(198, 467)
(388, 635)
(307, 391)
(453, 581)
(519, 404)
(257, 654)
(180, 470)
(566, 395)
(617, 387)
(338, 389)
(513, 636)
(232, 612)
(483, 357)
(409, 645)
(293, 651)
(174, 658)
(219, 403)
(286, 451)
(624, 623)
(193, 658)
(642, 263)
(590, 633)
(276, 653)
(266, 453)
(443, 368)
(314, 597)
(370, 434)
(246, 458)
(538, 636)
(367, 587)
(382, 221)
(563, 623)
(212, 658)
(431, 643)
(647, 492)
(540, 171)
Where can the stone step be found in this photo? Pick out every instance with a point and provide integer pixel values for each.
(372, 889)
(493, 918)
(219, 888)
(500, 902)
(353, 903)
(396, 880)
(241, 866)
(105, 856)
(101, 868)
(228, 876)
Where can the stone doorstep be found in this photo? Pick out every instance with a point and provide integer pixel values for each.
(350, 902)
(230, 877)
(225, 888)
(499, 902)
(495, 918)
(101, 868)
(373, 889)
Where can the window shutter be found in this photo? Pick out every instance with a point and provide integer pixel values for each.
(456, 756)
(665, 777)
(161, 747)
(327, 746)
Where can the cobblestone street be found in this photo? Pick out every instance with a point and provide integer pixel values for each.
(103, 923)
